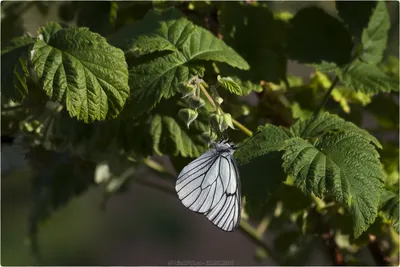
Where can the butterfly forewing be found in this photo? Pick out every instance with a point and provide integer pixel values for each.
(210, 185)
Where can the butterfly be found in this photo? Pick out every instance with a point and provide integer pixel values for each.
(210, 185)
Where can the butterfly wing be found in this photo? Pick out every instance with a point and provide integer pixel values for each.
(210, 185)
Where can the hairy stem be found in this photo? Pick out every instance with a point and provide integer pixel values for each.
(207, 95)
(245, 227)
(327, 95)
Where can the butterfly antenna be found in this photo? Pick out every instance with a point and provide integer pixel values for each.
(251, 137)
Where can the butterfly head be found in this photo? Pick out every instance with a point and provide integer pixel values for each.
(224, 146)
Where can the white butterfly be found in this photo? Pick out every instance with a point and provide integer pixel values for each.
(210, 185)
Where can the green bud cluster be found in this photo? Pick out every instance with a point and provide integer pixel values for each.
(190, 92)
(187, 115)
(221, 121)
(187, 89)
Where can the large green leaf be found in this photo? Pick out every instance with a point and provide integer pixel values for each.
(81, 70)
(183, 46)
(367, 78)
(156, 79)
(324, 122)
(258, 186)
(261, 152)
(315, 36)
(14, 71)
(374, 37)
(172, 137)
(270, 138)
(254, 32)
(342, 164)
(50, 29)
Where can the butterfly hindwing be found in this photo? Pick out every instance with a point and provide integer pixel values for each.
(210, 185)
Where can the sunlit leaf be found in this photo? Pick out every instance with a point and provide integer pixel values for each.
(82, 71)
(342, 164)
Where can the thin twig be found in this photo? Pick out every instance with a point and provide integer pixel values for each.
(155, 166)
(207, 95)
(242, 127)
(327, 95)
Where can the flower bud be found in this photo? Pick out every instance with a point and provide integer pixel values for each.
(228, 120)
(209, 137)
(219, 100)
(245, 110)
(186, 89)
(195, 102)
(218, 121)
(187, 115)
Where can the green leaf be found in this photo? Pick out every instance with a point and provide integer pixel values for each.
(155, 132)
(390, 206)
(261, 152)
(254, 32)
(14, 72)
(247, 86)
(324, 122)
(367, 78)
(170, 134)
(325, 66)
(50, 29)
(342, 164)
(270, 138)
(81, 70)
(375, 36)
(230, 85)
(171, 137)
(156, 79)
(258, 187)
(170, 30)
(355, 14)
(183, 46)
(309, 41)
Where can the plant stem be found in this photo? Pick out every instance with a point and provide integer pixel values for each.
(242, 127)
(207, 95)
(326, 97)
(245, 227)
(159, 168)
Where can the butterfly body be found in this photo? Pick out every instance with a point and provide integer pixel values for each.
(210, 185)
